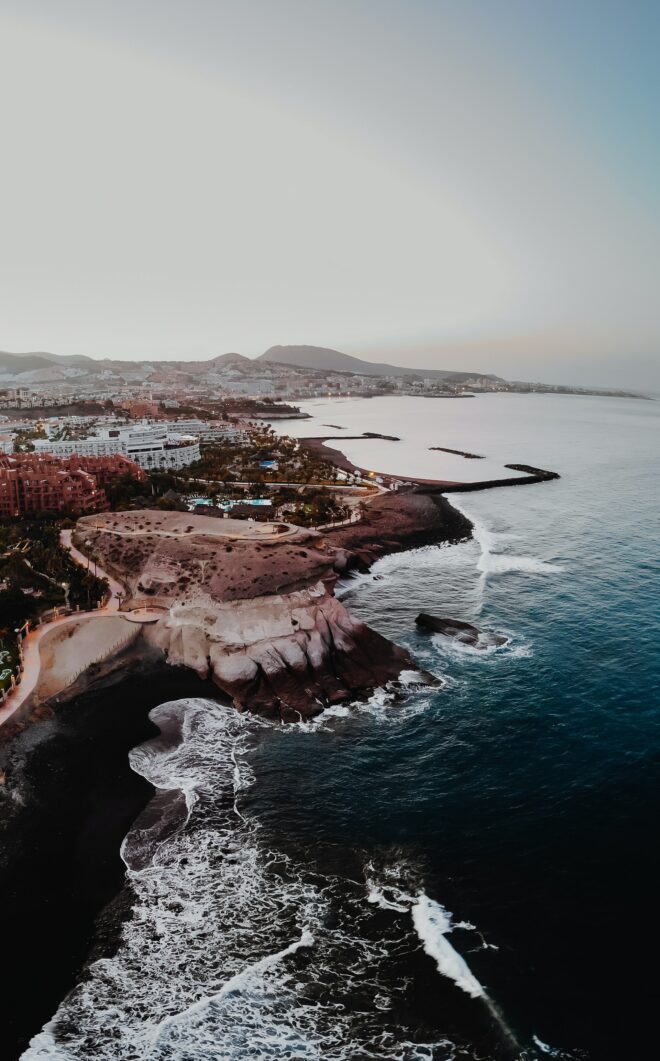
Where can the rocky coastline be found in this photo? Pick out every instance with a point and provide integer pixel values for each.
(69, 798)
(70, 795)
(394, 522)
(250, 606)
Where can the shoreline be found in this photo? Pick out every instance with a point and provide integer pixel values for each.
(318, 446)
(396, 522)
(70, 799)
(71, 796)
(78, 796)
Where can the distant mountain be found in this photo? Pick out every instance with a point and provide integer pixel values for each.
(42, 367)
(321, 357)
(17, 363)
(80, 360)
(231, 359)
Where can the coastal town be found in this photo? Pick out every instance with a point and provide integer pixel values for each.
(80, 441)
(329, 621)
(66, 467)
(32, 384)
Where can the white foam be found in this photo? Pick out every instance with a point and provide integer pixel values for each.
(494, 559)
(511, 649)
(432, 925)
(395, 702)
(244, 981)
(352, 582)
(233, 951)
(447, 644)
(503, 563)
(385, 705)
(384, 887)
(551, 1051)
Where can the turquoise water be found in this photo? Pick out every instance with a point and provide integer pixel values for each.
(464, 872)
(228, 505)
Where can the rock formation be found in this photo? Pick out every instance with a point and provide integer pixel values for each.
(249, 604)
(460, 631)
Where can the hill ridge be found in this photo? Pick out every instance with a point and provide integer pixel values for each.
(323, 357)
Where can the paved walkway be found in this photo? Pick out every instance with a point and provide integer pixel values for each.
(116, 589)
(32, 641)
(145, 614)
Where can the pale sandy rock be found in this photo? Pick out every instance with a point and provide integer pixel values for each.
(195, 650)
(237, 667)
(291, 652)
(255, 601)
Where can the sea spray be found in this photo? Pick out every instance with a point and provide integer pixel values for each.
(395, 887)
(432, 925)
(234, 949)
(494, 559)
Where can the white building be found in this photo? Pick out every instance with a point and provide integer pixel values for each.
(152, 446)
(209, 430)
(94, 446)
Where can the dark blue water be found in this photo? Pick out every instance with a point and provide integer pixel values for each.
(301, 909)
(529, 788)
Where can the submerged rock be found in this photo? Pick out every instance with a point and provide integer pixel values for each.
(460, 631)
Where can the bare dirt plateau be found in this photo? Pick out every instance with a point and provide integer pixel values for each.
(250, 604)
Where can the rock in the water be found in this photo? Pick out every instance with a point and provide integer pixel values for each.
(460, 631)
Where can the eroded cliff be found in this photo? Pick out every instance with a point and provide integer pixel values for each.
(249, 604)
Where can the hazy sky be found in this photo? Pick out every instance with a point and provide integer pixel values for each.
(443, 183)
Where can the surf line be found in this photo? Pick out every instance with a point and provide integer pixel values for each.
(493, 561)
(239, 983)
(432, 924)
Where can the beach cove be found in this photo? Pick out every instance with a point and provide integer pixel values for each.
(454, 783)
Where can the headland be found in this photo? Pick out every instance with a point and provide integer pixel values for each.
(231, 609)
(249, 605)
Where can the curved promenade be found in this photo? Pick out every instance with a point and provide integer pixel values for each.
(32, 661)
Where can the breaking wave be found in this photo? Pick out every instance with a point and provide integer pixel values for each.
(513, 648)
(410, 695)
(234, 949)
(387, 887)
(503, 563)
(432, 925)
(494, 559)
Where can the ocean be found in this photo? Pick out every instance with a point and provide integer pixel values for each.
(467, 871)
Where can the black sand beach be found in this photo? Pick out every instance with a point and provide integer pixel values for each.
(69, 800)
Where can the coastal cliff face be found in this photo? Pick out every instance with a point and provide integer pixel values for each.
(250, 605)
